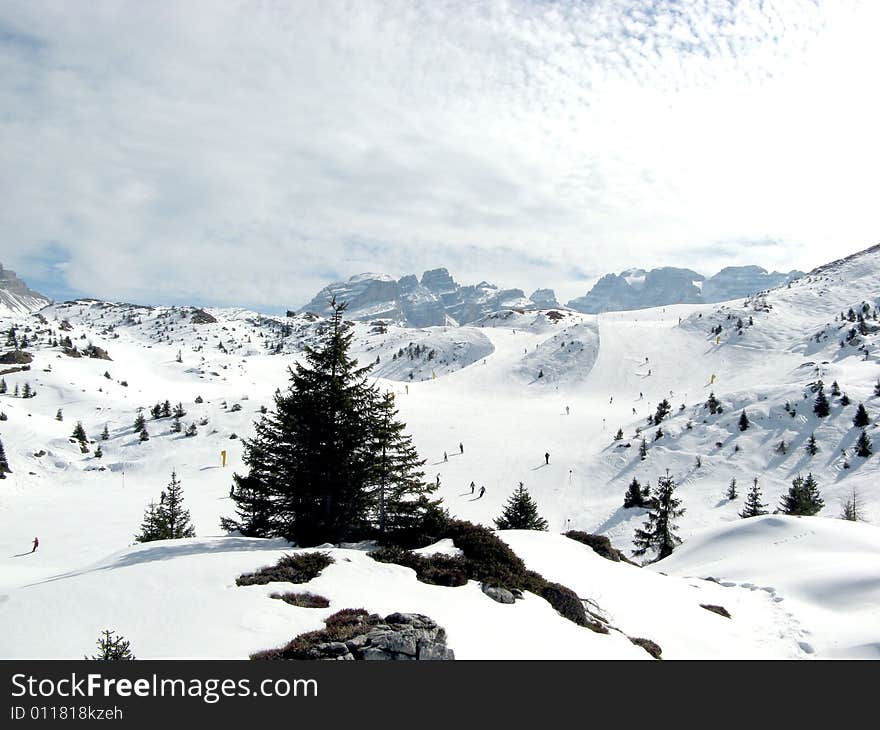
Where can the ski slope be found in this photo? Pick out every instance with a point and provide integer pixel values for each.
(480, 390)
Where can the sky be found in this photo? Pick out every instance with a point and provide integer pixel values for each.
(248, 153)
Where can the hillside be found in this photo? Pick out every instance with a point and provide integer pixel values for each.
(480, 388)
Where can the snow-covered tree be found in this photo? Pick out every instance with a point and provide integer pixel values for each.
(634, 496)
(863, 445)
(861, 419)
(820, 406)
(743, 421)
(802, 498)
(731, 490)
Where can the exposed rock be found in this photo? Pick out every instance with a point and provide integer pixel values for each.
(397, 637)
(98, 353)
(649, 646)
(200, 316)
(16, 357)
(16, 297)
(501, 595)
(720, 610)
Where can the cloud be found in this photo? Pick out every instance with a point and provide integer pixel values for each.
(238, 153)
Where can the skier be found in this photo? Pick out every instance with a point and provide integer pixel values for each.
(634, 411)
(473, 486)
(482, 492)
(461, 447)
(567, 411)
(438, 479)
(611, 400)
(36, 544)
(445, 456)
(649, 371)
(547, 457)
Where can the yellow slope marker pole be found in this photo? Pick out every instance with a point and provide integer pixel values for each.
(223, 456)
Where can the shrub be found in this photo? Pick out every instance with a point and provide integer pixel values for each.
(489, 560)
(296, 568)
(303, 600)
(567, 603)
(438, 570)
(649, 646)
(600, 544)
(720, 610)
(340, 627)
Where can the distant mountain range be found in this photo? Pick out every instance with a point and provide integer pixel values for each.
(16, 297)
(436, 299)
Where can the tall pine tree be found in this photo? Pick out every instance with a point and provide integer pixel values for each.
(4, 464)
(802, 498)
(658, 532)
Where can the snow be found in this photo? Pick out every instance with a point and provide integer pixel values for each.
(479, 389)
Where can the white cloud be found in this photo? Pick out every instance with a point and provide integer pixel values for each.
(247, 152)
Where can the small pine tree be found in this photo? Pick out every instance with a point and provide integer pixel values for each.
(731, 490)
(820, 406)
(877, 388)
(59, 416)
(861, 419)
(658, 532)
(4, 464)
(520, 512)
(99, 452)
(3, 386)
(851, 509)
(175, 426)
(863, 445)
(802, 498)
(143, 435)
(168, 520)
(643, 450)
(663, 409)
(191, 430)
(812, 448)
(26, 391)
(179, 411)
(140, 423)
(619, 435)
(712, 404)
(105, 434)
(844, 400)
(753, 506)
(634, 496)
(112, 648)
(79, 433)
(743, 421)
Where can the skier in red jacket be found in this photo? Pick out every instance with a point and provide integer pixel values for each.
(36, 544)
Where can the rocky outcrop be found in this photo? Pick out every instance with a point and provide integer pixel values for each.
(357, 635)
(16, 297)
(498, 594)
(16, 357)
(200, 316)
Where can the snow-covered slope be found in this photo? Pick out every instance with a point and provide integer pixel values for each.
(479, 388)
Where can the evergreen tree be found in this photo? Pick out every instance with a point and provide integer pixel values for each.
(191, 430)
(143, 435)
(852, 508)
(99, 452)
(712, 404)
(151, 526)
(156, 411)
(877, 388)
(835, 389)
(659, 529)
(753, 506)
(59, 416)
(643, 450)
(619, 435)
(812, 448)
(663, 409)
(4, 464)
(863, 445)
(802, 498)
(140, 423)
(634, 496)
(174, 518)
(79, 433)
(3, 386)
(314, 472)
(397, 485)
(179, 411)
(844, 400)
(820, 405)
(861, 419)
(743, 421)
(731, 490)
(26, 391)
(105, 434)
(175, 426)
(520, 513)
(112, 648)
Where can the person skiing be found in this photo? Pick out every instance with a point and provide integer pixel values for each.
(445, 456)
(36, 544)
(567, 411)
(547, 457)
(611, 399)
(461, 447)
(473, 486)
(438, 479)
(634, 411)
(482, 492)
